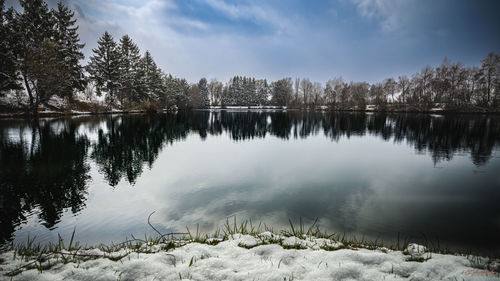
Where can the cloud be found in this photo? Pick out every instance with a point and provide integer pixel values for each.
(366, 40)
(141, 12)
(387, 12)
(258, 13)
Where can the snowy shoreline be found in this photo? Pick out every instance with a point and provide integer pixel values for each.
(42, 114)
(263, 256)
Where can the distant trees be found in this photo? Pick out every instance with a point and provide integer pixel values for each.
(242, 91)
(306, 90)
(489, 77)
(282, 91)
(402, 87)
(203, 87)
(215, 92)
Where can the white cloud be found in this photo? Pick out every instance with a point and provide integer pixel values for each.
(142, 12)
(257, 13)
(152, 25)
(387, 12)
(186, 46)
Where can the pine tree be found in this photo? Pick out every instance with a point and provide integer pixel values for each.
(104, 67)
(66, 36)
(152, 79)
(37, 53)
(8, 76)
(203, 87)
(262, 89)
(129, 78)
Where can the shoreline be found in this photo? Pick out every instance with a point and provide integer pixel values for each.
(42, 114)
(238, 254)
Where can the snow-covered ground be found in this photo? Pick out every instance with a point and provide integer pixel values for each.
(245, 257)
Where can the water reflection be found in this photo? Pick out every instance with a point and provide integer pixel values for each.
(131, 141)
(45, 168)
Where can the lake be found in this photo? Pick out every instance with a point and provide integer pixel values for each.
(377, 176)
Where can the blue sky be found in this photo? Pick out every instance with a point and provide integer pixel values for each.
(361, 40)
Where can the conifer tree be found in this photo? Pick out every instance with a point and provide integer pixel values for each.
(37, 52)
(203, 88)
(104, 67)
(8, 76)
(129, 79)
(70, 49)
(152, 78)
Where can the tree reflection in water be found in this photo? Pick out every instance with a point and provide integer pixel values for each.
(44, 167)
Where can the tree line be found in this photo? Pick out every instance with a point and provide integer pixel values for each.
(41, 55)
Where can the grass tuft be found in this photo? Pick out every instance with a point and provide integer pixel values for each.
(42, 258)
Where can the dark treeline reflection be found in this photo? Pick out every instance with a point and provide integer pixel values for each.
(441, 136)
(44, 167)
(132, 141)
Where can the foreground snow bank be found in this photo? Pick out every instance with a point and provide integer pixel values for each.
(246, 257)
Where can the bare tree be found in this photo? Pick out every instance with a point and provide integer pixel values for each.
(215, 91)
(390, 88)
(403, 86)
(296, 100)
(490, 74)
(306, 87)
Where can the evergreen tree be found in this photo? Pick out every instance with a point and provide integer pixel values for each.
(46, 49)
(203, 88)
(151, 78)
(37, 52)
(262, 89)
(196, 98)
(8, 76)
(282, 91)
(130, 76)
(104, 67)
(70, 54)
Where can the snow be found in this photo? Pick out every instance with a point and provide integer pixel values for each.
(313, 243)
(232, 260)
(246, 107)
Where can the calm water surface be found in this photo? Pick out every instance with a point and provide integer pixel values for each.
(369, 175)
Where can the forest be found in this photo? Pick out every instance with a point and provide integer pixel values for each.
(41, 57)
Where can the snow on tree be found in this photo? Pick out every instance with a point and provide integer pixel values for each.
(8, 75)
(129, 75)
(151, 78)
(70, 49)
(215, 90)
(282, 91)
(104, 67)
(38, 54)
(203, 88)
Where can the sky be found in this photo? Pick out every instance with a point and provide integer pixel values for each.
(360, 40)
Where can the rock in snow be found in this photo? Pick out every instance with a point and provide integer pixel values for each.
(415, 250)
(232, 260)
